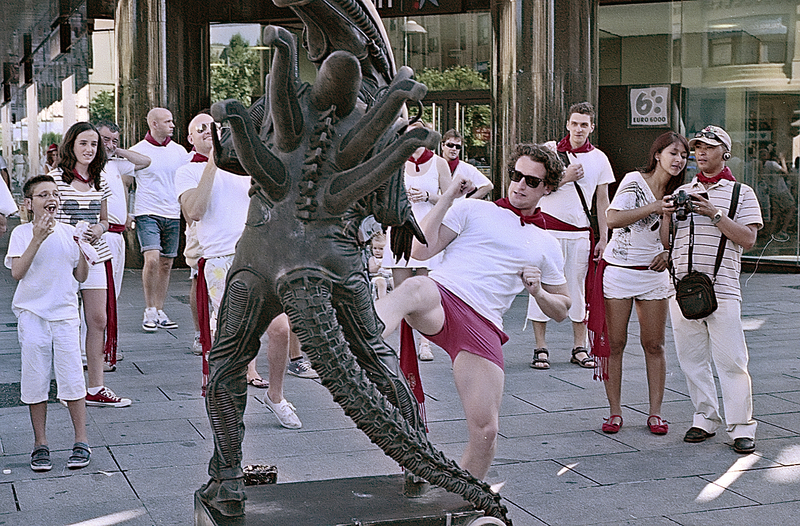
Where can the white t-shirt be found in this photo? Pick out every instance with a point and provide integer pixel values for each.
(155, 185)
(115, 169)
(223, 223)
(638, 243)
(471, 173)
(7, 204)
(49, 289)
(482, 264)
(564, 204)
(707, 236)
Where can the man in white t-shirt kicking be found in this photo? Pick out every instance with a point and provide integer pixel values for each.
(588, 172)
(218, 202)
(494, 251)
(157, 214)
(452, 142)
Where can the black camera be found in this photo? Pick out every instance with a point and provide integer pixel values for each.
(683, 205)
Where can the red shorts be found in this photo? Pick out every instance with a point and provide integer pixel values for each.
(466, 330)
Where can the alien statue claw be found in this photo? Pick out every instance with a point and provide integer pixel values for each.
(321, 158)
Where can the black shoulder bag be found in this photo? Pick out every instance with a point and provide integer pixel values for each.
(593, 222)
(695, 291)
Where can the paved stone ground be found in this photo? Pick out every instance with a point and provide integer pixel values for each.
(558, 467)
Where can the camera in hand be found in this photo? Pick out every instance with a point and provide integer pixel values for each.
(683, 205)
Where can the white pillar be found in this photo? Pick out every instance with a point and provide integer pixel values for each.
(68, 102)
(32, 103)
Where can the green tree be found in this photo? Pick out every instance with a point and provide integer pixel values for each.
(233, 71)
(102, 107)
(48, 139)
(454, 78)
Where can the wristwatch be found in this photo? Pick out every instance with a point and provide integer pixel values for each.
(717, 217)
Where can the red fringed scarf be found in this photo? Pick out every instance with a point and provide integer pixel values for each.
(203, 317)
(724, 174)
(149, 138)
(565, 146)
(410, 367)
(425, 157)
(110, 349)
(596, 323)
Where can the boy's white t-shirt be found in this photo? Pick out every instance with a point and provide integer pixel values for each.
(155, 185)
(223, 223)
(7, 204)
(482, 264)
(49, 288)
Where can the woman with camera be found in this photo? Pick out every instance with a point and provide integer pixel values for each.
(635, 264)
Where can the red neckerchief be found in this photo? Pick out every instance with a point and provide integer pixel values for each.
(453, 165)
(534, 219)
(425, 157)
(80, 178)
(199, 158)
(724, 174)
(149, 138)
(565, 146)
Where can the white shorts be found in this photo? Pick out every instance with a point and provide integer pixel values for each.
(96, 279)
(48, 345)
(625, 283)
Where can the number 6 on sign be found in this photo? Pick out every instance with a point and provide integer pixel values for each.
(649, 107)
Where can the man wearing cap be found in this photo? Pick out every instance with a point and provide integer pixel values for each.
(451, 148)
(720, 336)
(51, 158)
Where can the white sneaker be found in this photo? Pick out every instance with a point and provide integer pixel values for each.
(150, 321)
(424, 353)
(285, 412)
(164, 322)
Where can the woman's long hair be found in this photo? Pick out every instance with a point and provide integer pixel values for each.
(664, 141)
(66, 152)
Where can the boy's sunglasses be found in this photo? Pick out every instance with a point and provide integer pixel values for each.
(452, 145)
(516, 176)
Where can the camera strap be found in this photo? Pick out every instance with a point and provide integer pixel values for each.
(723, 239)
(565, 160)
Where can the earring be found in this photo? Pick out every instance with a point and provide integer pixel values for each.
(726, 156)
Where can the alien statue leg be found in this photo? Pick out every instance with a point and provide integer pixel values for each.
(247, 309)
(307, 298)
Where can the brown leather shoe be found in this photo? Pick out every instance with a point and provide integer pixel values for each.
(695, 434)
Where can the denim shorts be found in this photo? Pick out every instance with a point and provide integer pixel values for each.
(158, 233)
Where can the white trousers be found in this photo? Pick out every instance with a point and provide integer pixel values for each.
(576, 265)
(720, 338)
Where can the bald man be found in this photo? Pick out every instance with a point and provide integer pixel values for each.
(157, 214)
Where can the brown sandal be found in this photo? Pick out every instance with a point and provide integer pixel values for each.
(540, 362)
(586, 363)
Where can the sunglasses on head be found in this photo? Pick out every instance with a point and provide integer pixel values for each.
(452, 145)
(707, 135)
(516, 176)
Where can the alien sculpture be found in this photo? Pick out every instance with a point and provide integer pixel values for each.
(322, 157)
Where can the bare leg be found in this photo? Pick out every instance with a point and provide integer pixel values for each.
(193, 304)
(277, 355)
(540, 332)
(618, 313)
(480, 385)
(94, 308)
(579, 334)
(294, 347)
(150, 275)
(164, 266)
(418, 301)
(77, 412)
(652, 322)
(39, 422)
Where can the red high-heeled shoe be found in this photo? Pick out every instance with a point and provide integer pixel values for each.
(609, 424)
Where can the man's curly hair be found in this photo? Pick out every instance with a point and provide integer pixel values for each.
(539, 153)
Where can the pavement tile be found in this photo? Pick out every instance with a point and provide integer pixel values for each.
(163, 454)
(178, 482)
(103, 489)
(767, 514)
(157, 431)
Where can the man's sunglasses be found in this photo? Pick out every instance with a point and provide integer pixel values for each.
(452, 145)
(707, 135)
(516, 176)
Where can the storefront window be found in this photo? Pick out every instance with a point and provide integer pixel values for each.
(734, 64)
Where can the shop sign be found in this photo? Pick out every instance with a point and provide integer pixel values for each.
(649, 107)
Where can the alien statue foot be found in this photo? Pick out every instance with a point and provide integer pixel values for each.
(225, 496)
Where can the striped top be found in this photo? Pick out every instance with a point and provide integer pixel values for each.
(83, 206)
(707, 236)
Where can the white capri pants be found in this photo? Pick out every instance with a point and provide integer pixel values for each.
(48, 345)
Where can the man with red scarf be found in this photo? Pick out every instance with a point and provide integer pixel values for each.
(157, 213)
(588, 172)
(718, 337)
(494, 251)
(452, 143)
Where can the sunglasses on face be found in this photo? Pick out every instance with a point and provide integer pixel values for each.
(452, 145)
(531, 181)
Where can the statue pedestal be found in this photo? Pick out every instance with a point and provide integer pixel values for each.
(366, 500)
